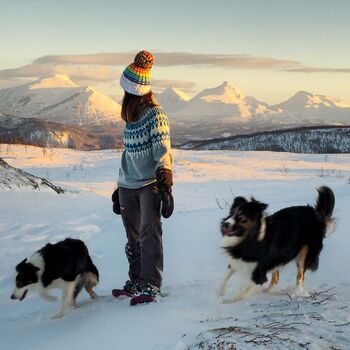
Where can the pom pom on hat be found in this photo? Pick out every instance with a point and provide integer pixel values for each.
(144, 59)
(136, 77)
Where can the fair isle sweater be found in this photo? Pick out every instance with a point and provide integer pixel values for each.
(147, 148)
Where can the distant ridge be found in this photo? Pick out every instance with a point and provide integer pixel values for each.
(320, 139)
(38, 132)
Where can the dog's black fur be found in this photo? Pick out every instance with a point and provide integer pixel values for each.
(66, 265)
(286, 232)
(66, 259)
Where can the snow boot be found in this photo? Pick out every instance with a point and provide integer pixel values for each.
(148, 294)
(130, 289)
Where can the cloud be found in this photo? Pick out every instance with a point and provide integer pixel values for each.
(167, 59)
(318, 70)
(106, 67)
(79, 73)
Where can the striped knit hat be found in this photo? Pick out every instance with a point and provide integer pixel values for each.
(136, 78)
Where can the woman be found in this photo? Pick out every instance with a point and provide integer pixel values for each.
(144, 183)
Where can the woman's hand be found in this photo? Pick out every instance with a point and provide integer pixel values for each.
(164, 183)
(115, 200)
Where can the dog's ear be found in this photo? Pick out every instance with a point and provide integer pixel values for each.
(259, 206)
(263, 206)
(21, 264)
(236, 203)
(239, 201)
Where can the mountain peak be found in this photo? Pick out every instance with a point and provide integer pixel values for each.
(303, 93)
(175, 92)
(53, 81)
(307, 100)
(226, 93)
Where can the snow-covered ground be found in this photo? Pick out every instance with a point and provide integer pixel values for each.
(191, 315)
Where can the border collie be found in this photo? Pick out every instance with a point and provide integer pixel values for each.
(256, 243)
(65, 265)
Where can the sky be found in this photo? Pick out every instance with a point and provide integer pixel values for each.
(268, 48)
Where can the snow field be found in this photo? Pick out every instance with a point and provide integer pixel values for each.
(191, 313)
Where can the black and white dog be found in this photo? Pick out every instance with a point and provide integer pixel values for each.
(65, 265)
(256, 243)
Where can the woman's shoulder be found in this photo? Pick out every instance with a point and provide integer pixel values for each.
(152, 114)
(153, 111)
(147, 117)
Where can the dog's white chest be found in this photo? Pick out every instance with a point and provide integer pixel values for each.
(244, 268)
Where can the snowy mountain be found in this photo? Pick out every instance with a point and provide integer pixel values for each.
(59, 99)
(38, 132)
(301, 140)
(13, 178)
(225, 111)
(315, 108)
(172, 99)
(227, 103)
(224, 100)
(306, 100)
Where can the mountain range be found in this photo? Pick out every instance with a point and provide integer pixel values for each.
(224, 111)
(221, 111)
(227, 100)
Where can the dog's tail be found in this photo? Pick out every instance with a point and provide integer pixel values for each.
(92, 268)
(91, 278)
(325, 206)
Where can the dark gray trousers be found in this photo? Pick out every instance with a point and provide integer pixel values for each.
(140, 211)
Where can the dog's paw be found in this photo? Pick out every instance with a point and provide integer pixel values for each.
(300, 292)
(94, 296)
(58, 315)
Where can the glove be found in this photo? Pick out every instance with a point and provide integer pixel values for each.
(164, 183)
(115, 200)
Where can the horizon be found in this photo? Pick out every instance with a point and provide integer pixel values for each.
(270, 50)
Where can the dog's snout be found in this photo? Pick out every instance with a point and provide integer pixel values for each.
(227, 225)
(13, 296)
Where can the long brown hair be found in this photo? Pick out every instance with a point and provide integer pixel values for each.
(133, 105)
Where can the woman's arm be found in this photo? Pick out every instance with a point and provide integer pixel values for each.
(160, 138)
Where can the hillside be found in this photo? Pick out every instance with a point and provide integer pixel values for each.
(37, 132)
(299, 140)
(16, 179)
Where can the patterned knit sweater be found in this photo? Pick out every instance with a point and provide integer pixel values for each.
(147, 148)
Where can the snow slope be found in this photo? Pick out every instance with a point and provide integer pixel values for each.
(12, 178)
(191, 316)
(59, 99)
